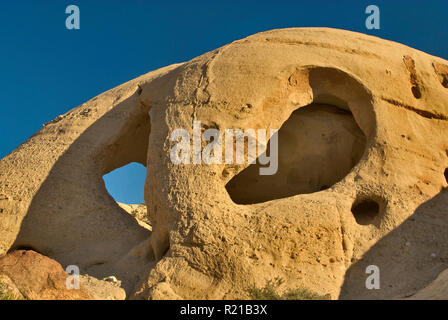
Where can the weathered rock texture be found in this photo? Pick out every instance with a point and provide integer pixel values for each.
(28, 275)
(361, 179)
(8, 289)
(101, 289)
(31, 276)
(139, 212)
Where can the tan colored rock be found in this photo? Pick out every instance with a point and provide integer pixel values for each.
(37, 277)
(436, 290)
(8, 290)
(102, 289)
(139, 212)
(163, 291)
(363, 151)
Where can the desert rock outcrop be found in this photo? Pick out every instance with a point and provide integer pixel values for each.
(363, 140)
(32, 276)
(139, 212)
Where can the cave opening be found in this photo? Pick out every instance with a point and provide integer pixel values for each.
(317, 147)
(366, 211)
(126, 184)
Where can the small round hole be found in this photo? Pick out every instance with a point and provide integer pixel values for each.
(445, 81)
(416, 92)
(366, 211)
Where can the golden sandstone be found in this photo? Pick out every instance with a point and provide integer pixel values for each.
(362, 157)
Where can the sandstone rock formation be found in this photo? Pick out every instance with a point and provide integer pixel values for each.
(139, 212)
(362, 173)
(8, 289)
(28, 275)
(437, 290)
(102, 289)
(32, 276)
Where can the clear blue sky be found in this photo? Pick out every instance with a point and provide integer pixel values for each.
(47, 70)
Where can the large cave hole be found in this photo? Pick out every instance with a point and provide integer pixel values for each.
(317, 146)
(126, 186)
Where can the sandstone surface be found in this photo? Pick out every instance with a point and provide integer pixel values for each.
(362, 177)
(31, 276)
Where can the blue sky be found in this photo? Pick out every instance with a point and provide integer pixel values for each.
(47, 70)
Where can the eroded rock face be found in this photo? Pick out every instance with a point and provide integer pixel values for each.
(102, 289)
(8, 290)
(318, 146)
(139, 212)
(362, 160)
